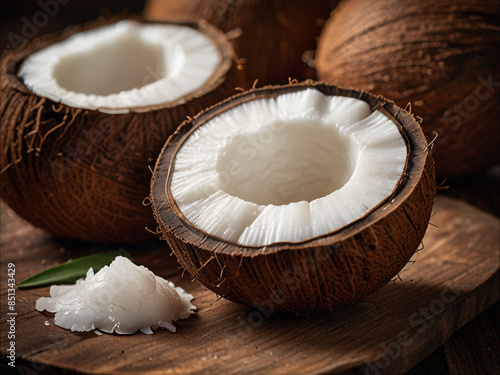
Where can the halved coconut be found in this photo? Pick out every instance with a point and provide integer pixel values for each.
(304, 197)
(83, 115)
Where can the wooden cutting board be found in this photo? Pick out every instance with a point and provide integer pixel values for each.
(451, 280)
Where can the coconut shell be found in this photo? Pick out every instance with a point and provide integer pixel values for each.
(320, 274)
(274, 33)
(84, 174)
(443, 57)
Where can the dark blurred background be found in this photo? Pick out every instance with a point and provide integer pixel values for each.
(28, 19)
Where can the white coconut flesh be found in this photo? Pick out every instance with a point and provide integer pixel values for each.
(287, 169)
(124, 66)
(121, 298)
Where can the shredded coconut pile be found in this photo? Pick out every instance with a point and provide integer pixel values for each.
(121, 298)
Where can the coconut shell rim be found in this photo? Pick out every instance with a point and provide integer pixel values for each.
(12, 61)
(418, 149)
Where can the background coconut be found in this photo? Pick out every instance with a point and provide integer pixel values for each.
(81, 173)
(443, 57)
(274, 33)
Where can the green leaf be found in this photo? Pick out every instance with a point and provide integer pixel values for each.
(70, 272)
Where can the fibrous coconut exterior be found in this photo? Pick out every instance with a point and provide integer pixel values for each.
(84, 174)
(442, 57)
(320, 274)
(270, 36)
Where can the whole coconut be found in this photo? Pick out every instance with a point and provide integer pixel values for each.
(443, 57)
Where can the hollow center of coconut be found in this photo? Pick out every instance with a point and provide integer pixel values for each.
(286, 161)
(127, 65)
(287, 168)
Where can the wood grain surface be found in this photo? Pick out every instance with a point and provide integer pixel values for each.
(452, 279)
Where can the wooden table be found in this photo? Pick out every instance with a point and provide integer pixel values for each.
(456, 275)
(475, 349)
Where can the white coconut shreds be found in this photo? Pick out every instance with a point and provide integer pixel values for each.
(121, 298)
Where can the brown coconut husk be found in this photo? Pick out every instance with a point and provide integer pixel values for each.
(323, 273)
(435, 55)
(82, 173)
(270, 36)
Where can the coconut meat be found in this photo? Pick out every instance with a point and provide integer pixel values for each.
(121, 298)
(288, 168)
(124, 66)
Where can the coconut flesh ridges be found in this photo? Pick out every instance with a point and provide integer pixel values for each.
(319, 162)
(163, 66)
